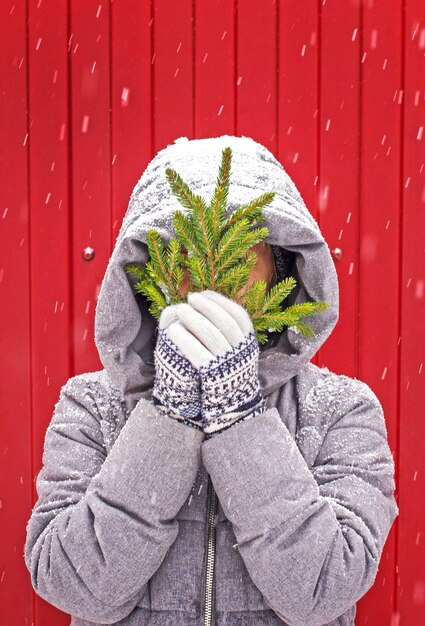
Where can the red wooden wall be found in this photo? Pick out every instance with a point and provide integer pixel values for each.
(91, 90)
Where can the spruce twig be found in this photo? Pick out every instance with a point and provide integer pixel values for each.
(215, 251)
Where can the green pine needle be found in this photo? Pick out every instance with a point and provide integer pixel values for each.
(186, 234)
(218, 257)
(239, 272)
(219, 200)
(279, 292)
(153, 293)
(180, 189)
(198, 272)
(251, 211)
(254, 297)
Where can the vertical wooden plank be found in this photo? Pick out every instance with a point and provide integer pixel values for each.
(379, 246)
(338, 193)
(50, 228)
(131, 72)
(90, 168)
(410, 586)
(15, 293)
(298, 99)
(215, 80)
(256, 71)
(172, 72)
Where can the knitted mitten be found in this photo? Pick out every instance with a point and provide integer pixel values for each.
(229, 374)
(230, 387)
(176, 389)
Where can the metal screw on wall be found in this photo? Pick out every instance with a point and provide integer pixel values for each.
(337, 254)
(88, 253)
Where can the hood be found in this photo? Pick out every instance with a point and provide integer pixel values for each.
(125, 330)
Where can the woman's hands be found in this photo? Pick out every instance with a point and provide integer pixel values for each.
(176, 389)
(217, 337)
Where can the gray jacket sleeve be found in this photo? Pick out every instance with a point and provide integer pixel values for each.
(311, 539)
(103, 523)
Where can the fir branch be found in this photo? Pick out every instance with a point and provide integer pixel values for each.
(153, 293)
(306, 309)
(279, 292)
(254, 296)
(251, 211)
(181, 189)
(198, 272)
(194, 203)
(305, 329)
(158, 260)
(276, 320)
(218, 257)
(236, 276)
(175, 271)
(219, 200)
(173, 256)
(154, 277)
(139, 271)
(261, 337)
(186, 233)
(203, 228)
(236, 242)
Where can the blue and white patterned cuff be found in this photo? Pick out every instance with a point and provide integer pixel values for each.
(230, 387)
(176, 389)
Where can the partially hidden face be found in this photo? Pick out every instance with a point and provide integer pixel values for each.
(264, 269)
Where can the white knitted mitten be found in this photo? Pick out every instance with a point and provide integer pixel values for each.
(225, 350)
(176, 389)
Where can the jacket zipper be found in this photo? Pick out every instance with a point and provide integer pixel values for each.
(209, 576)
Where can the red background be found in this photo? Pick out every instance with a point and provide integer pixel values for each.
(91, 90)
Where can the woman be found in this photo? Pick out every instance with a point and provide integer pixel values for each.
(265, 503)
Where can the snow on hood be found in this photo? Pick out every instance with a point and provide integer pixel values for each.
(125, 330)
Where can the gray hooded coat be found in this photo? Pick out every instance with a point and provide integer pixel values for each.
(280, 519)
